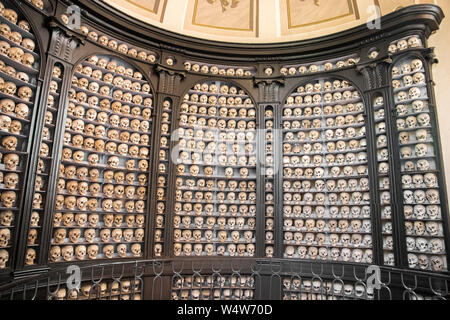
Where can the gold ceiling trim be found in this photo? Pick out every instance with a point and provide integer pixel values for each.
(251, 19)
(154, 10)
(352, 6)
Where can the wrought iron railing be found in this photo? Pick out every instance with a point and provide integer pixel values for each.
(242, 279)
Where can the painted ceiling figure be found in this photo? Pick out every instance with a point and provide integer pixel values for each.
(226, 3)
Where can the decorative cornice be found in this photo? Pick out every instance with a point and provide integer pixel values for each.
(421, 18)
(53, 23)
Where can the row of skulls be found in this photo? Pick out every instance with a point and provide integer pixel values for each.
(116, 82)
(17, 54)
(326, 225)
(344, 198)
(219, 146)
(230, 197)
(425, 262)
(222, 185)
(342, 240)
(12, 16)
(213, 294)
(328, 111)
(220, 223)
(434, 245)
(408, 68)
(421, 135)
(219, 287)
(430, 196)
(409, 80)
(212, 123)
(404, 44)
(11, 71)
(412, 94)
(82, 252)
(315, 67)
(94, 159)
(292, 171)
(416, 107)
(320, 212)
(318, 148)
(221, 281)
(325, 290)
(217, 136)
(123, 149)
(224, 112)
(231, 101)
(92, 204)
(341, 185)
(76, 235)
(210, 159)
(112, 67)
(108, 191)
(209, 209)
(329, 254)
(421, 228)
(419, 165)
(16, 37)
(99, 132)
(19, 110)
(319, 160)
(102, 119)
(83, 96)
(221, 89)
(217, 70)
(10, 88)
(143, 112)
(210, 249)
(318, 99)
(421, 212)
(116, 107)
(209, 171)
(84, 220)
(340, 122)
(320, 135)
(105, 290)
(108, 176)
